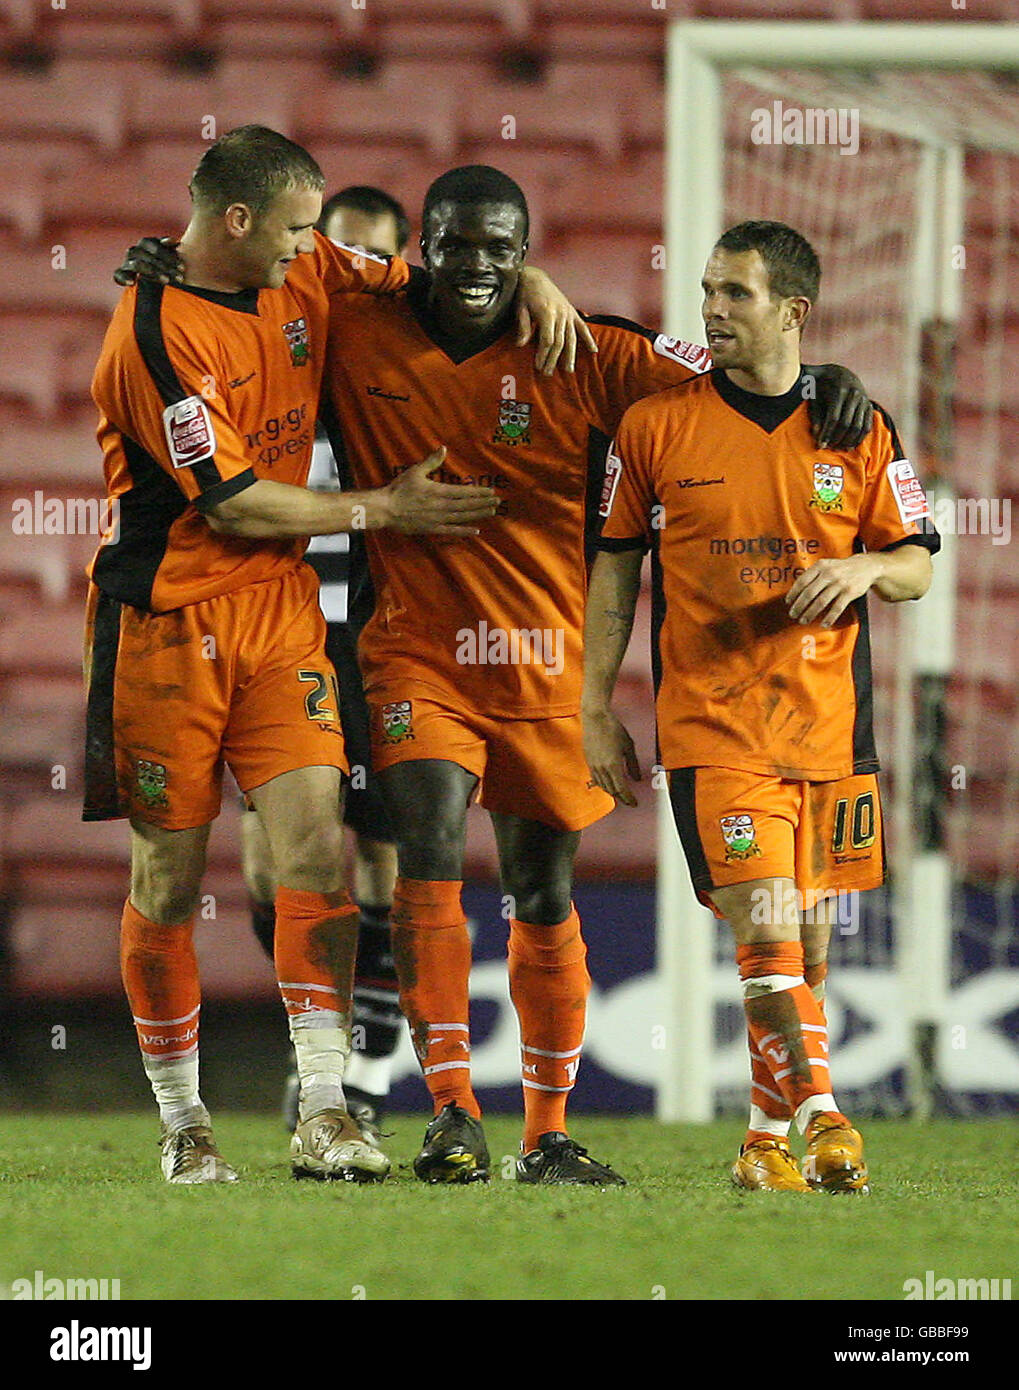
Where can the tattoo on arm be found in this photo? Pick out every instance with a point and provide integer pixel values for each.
(619, 622)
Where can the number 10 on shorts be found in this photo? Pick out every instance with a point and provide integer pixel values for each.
(862, 821)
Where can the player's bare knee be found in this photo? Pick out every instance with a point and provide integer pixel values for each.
(312, 859)
(433, 851)
(165, 901)
(166, 872)
(540, 904)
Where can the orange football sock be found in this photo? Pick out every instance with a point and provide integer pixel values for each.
(770, 1115)
(315, 949)
(432, 952)
(160, 974)
(549, 985)
(788, 1027)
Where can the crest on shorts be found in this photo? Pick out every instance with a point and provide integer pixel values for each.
(397, 721)
(514, 425)
(740, 837)
(297, 339)
(828, 480)
(151, 782)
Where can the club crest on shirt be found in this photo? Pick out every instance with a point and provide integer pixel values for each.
(397, 721)
(296, 332)
(740, 837)
(151, 782)
(514, 425)
(828, 480)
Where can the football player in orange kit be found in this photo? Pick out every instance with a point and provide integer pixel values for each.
(205, 639)
(472, 657)
(764, 700)
(371, 219)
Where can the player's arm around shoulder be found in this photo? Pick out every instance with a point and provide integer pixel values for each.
(633, 362)
(352, 270)
(895, 527)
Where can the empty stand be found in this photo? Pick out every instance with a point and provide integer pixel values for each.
(72, 270)
(47, 361)
(395, 109)
(48, 454)
(62, 103)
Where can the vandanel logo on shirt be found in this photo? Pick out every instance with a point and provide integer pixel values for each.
(514, 425)
(740, 837)
(828, 480)
(297, 338)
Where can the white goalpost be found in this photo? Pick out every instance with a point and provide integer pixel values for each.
(892, 215)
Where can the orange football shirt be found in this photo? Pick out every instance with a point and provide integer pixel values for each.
(200, 394)
(736, 500)
(494, 623)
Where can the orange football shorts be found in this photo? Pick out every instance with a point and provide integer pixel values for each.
(739, 826)
(533, 768)
(240, 679)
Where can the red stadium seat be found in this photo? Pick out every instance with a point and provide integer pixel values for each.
(610, 197)
(166, 105)
(390, 109)
(63, 455)
(982, 722)
(610, 11)
(41, 641)
(391, 168)
(66, 522)
(41, 724)
(986, 446)
(990, 190)
(62, 104)
(637, 85)
(18, 17)
(32, 279)
(23, 183)
(539, 119)
(39, 565)
(438, 38)
(340, 15)
(183, 17)
(583, 277)
(143, 188)
(513, 17)
(846, 10)
(30, 361)
(986, 562)
(622, 267)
